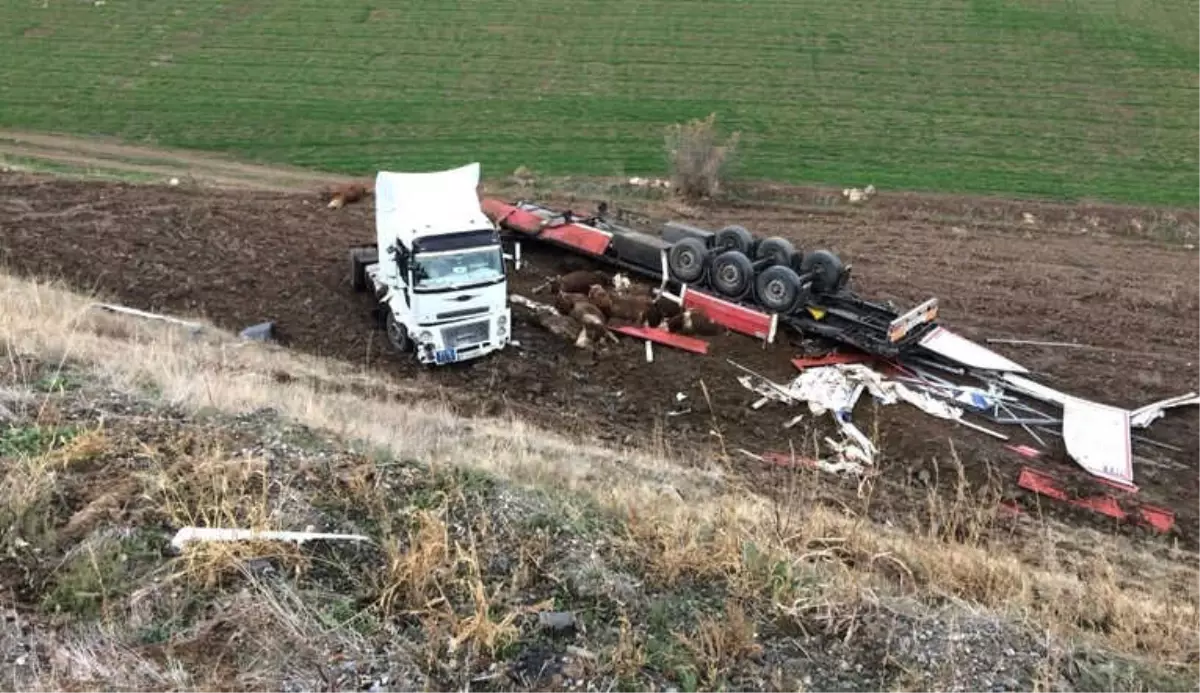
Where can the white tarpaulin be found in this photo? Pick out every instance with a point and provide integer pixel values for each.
(963, 351)
(1144, 416)
(1098, 438)
(837, 388)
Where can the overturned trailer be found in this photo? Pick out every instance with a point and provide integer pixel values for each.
(751, 285)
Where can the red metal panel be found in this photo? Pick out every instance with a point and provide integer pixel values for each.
(786, 460)
(729, 315)
(511, 217)
(1158, 518)
(585, 238)
(1105, 505)
(698, 346)
(1040, 482)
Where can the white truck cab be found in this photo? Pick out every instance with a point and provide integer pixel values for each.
(437, 266)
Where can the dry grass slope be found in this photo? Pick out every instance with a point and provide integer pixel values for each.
(115, 432)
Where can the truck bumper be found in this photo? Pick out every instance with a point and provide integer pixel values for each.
(445, 348)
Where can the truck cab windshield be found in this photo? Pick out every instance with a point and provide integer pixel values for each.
(454, 269)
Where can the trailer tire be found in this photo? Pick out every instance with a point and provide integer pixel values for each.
(735, 237)
(685, 260)
(732, 273)
(778, 289)
(779, 250)
(796, 261)
(826, 268)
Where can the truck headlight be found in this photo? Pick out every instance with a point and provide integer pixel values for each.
(502, 325)
(425, 336)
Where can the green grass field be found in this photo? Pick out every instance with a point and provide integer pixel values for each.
(1068, 99)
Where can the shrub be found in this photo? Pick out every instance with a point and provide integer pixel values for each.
(695, 159)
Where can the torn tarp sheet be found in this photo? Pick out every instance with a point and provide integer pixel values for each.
(1097, 437)
(1144, 416)
(963, 351)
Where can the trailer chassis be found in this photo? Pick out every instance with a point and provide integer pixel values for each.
(807, 293)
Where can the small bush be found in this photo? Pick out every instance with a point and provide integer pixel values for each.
(695, 159)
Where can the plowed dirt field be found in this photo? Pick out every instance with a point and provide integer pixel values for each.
(1122, 281)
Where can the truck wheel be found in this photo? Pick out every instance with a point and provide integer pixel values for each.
(358, 271)
(779, 289)
(685, 260)
(796, 261)
(779, 250)
(732, 273)
(826, 268)
(735, 238)
(397, 334)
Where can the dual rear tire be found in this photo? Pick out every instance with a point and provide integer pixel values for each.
(778, 286)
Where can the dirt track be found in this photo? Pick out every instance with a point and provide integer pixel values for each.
(243, 257)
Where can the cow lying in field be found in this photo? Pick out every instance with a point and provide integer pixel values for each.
(347, 193)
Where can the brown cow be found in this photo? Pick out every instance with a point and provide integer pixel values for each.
(693, 321)
(348, 193)
(577, 282)
(594, 324)
(639, 310)
(565, 302)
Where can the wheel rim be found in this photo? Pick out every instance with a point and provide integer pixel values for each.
(686, 260)
(729, 275)
(776, 291)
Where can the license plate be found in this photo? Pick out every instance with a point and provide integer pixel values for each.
(446, 356)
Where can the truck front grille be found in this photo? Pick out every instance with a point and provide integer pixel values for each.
(465, 335)
(466, 312)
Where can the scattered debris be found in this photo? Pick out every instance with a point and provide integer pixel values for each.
(1025, 451)
(856, 195)
(1032, 342)
(262, 332)
(190, 534)
(649, 182)
(556, 620)
(1142, 417)
(1161, 519)
(193, 326)
(1097, 438)
(963, 351)
(803, 362)
(841, 466)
